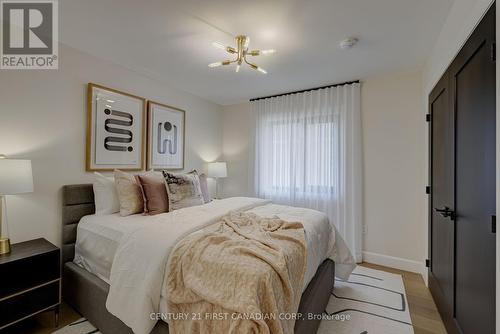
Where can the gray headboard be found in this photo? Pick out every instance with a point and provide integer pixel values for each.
(78, 201)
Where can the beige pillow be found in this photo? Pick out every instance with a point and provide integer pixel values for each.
(129, 194)
(183, 190)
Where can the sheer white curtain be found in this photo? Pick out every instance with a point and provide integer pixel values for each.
(308, 154)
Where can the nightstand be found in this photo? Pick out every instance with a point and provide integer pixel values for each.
(30, 281)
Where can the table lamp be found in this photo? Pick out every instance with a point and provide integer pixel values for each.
(15, 178)
(217, 170)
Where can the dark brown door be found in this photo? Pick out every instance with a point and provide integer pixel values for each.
(473, 82)
(442, 229)
(463, 197)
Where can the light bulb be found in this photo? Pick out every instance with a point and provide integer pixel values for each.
(219, 45)
(247, 42)
(260, 69)
(268, 52)
(217, 64)
(237, 68)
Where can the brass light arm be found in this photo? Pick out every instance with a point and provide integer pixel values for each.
(227, 62)
(254, 53)
(255, 67)
(251, 65)
(230, 49)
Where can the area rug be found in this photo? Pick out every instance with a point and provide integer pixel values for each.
(81, 326)
(369, 302)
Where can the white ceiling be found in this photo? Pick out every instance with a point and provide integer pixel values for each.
(171, 40)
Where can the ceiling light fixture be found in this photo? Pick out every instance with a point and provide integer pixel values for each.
(348, 43)
(241, 51)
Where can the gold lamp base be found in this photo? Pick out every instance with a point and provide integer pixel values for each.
(4, 245)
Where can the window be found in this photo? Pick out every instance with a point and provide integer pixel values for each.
(304, 156)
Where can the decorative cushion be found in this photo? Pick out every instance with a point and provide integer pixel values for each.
(105, 195)
(129, 193)
(154, 193)
(183, 190)
(204, 188)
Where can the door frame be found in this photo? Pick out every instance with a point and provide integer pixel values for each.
(440, 88)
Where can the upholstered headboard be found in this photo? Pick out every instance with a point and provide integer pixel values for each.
(78, 201)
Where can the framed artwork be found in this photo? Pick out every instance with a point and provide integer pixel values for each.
(165, 136)
(116, 130)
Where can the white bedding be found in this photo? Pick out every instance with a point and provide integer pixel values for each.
(98, 238)
(112, 247)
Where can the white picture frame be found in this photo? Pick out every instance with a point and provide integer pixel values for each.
(115, 130)
(166, 137)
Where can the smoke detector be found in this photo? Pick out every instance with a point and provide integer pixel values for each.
(348, 43)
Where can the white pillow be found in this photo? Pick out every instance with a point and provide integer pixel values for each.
(105, 195)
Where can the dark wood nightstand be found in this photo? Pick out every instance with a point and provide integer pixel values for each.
(30, 281)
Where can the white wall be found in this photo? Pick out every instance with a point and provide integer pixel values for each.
(394, 181)
(237, 132)
(43, 118)
(393, 175)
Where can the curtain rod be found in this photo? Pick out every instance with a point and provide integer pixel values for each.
(306, 90)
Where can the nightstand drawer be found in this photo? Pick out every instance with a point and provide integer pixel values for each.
(28, 303)
(26, 273)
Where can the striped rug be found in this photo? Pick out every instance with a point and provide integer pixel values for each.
(370, 302)
(81, 326)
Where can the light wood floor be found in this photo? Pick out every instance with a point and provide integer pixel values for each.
(424, 315)
(423, 311)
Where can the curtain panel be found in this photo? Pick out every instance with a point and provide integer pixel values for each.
(308, 153)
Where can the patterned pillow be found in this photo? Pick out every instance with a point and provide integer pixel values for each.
(129, 193)
(183, 190)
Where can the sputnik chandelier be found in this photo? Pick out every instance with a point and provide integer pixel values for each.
(241, 51)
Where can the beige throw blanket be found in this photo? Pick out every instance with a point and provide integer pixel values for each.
(241, 275)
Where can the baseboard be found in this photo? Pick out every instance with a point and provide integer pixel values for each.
(396, 262)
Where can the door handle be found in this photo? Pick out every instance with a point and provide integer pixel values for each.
(446, 212)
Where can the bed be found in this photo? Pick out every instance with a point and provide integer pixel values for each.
(86, 271)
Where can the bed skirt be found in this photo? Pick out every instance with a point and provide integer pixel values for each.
(87, 294)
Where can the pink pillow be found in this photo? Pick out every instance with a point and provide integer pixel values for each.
(154, 193)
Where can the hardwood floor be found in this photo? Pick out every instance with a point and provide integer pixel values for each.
(43, 323)
(424, 315)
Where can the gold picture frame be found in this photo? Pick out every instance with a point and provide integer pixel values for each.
(116, 129)
(163, 158)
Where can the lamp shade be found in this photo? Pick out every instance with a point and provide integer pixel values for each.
(15, 177)
(217, 169)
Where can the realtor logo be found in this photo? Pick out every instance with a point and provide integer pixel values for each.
(29, 34)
